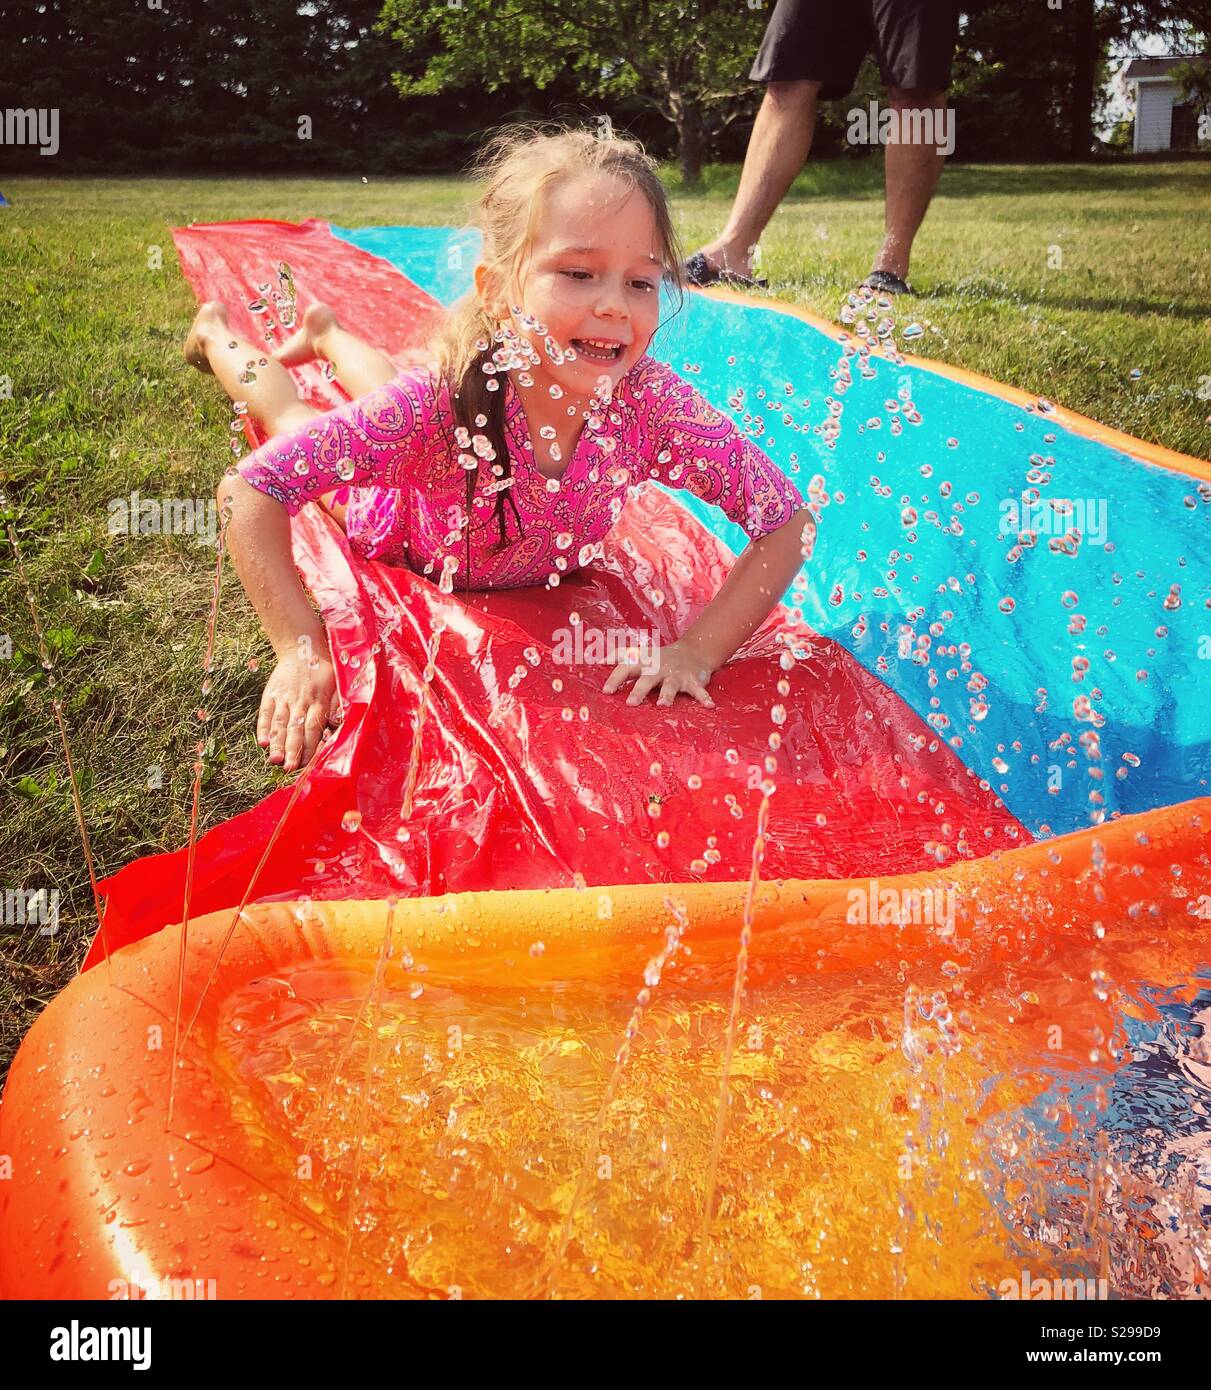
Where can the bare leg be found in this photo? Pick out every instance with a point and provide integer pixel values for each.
(359, 367)
(271, 396)
(911, 173)
(777, 149)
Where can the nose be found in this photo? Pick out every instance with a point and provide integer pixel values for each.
(611, 301)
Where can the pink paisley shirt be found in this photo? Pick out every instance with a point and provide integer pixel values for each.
(400, 440)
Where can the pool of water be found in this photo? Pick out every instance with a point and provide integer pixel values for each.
(961, 1130)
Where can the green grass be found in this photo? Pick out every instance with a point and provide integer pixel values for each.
(102, 404)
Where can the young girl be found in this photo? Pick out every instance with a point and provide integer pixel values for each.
(508, 457)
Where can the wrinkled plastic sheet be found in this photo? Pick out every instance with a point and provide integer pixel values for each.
(523, 773)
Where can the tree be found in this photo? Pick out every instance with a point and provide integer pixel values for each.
(686, 61)
(1034, 93)
(225, 83)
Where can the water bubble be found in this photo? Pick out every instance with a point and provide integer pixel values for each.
(911, 331)
(351, 821)
(1007, 605)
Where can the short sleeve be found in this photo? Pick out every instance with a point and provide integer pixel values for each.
(691, 445)
(378, 439)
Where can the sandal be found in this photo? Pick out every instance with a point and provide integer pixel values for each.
(699, 271)
(887, 283)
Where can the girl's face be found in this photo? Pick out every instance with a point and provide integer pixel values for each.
(593, 280)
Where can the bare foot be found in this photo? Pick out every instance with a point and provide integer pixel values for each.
(305, 345)
(210, 320)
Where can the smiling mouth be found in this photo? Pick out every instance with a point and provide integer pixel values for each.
(598, 349)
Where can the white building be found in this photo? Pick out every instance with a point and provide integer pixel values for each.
(1164, 120)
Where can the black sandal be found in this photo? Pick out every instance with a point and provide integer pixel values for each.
(887, 283)
(699, 271)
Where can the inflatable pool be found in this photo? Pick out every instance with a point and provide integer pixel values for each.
(887, 976)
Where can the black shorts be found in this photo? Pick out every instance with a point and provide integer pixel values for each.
(825, 41)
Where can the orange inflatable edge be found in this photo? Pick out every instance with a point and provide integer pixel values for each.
(82, 1118)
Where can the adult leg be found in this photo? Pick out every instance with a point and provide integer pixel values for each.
(777, 150)
(911, 171)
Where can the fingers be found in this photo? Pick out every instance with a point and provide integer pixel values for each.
(313, 731)
(277, 732)
(265, 716)
(670, 686)
(296, 739)
(700, 693)
(641, 687)
(624, 671)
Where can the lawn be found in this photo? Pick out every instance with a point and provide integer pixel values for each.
(1116, 326)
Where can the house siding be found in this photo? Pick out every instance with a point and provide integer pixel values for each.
(1154, 116)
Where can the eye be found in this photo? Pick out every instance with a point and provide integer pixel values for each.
(643, 284)
(576, 274)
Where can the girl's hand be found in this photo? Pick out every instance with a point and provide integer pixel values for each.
(678, 667)
(299, 703)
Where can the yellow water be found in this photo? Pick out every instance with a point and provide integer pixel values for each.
(883, 1137)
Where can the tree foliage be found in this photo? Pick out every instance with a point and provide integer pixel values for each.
(410, 85)
(687, 61)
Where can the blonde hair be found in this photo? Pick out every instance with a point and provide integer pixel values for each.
(516, 168)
